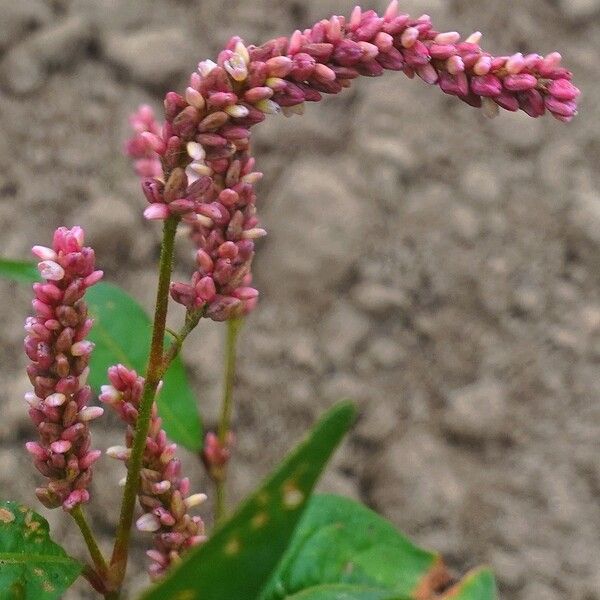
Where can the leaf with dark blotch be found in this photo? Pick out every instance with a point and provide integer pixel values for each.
(32, 566)
(237, 561)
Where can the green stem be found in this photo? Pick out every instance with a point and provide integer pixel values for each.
(98, 577)
(192, 318)
(90, 540)
(233, 329)
(154, 373)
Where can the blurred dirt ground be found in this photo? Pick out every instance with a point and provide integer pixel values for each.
(441, 269)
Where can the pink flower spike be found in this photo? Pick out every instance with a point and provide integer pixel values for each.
(163, 489)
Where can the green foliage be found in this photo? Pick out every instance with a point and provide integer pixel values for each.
(342, 543)
(477, 585)
(343, 592)
(122, 333)
(32, 566)
(18, 270)
(237, 561)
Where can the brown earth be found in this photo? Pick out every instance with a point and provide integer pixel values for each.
(441, 269)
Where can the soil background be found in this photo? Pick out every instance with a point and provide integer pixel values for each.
(439, 268)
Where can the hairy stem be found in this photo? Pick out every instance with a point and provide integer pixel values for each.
(233, 329)
(154, 373)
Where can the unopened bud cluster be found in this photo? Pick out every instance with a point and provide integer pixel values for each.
(216, 454)
(164, 495)
(59, 354)
(208, 174)
(146, 161)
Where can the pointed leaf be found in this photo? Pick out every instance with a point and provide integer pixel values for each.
(122, 333)
(340, 541)
(32, 566)
(237, 561)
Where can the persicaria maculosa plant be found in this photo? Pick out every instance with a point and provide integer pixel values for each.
(197, 172)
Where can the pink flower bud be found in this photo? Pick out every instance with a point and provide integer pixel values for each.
(61, 446)
(148, 522)
(155, 143)
(520, 83)
(409, 37)
(51, 270)
(44, 253)
(55, 399)
(157, 212)
(89, 413)
(563, 90)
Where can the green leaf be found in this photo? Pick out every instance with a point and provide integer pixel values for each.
(237, 561)
(32, 566)
(476, 585)
(343, 592)
(22, 271)
(340, 541)
(122, 333)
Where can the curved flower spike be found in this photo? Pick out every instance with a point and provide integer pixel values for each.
(208, 176)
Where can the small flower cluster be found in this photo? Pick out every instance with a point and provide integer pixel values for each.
(207, 172)
(59, 354)
(146, 161)
(216, 454)
(164, 494)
